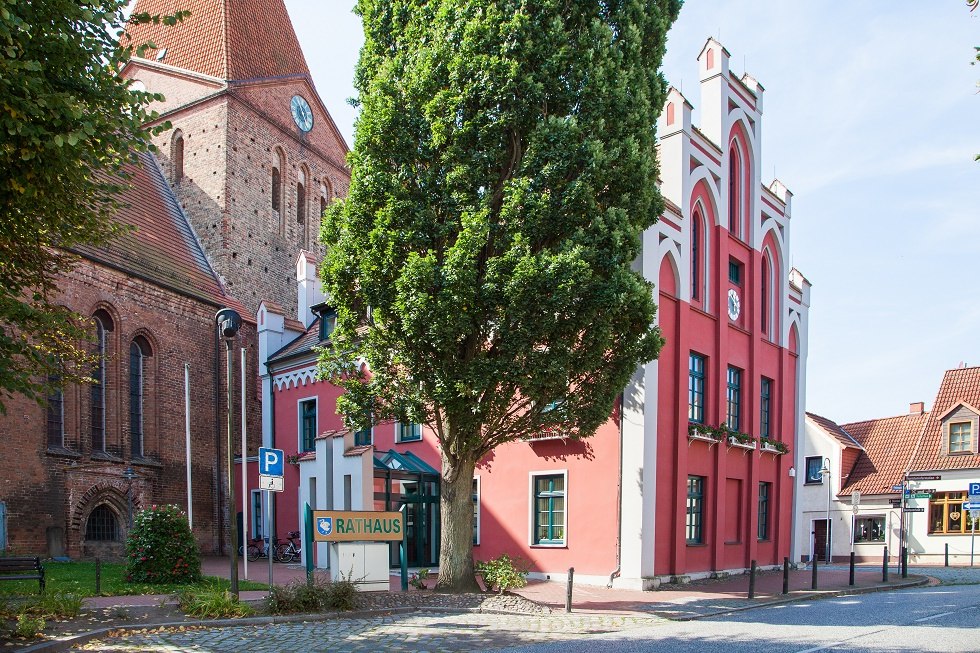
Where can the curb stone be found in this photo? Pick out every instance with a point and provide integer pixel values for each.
(808, 595)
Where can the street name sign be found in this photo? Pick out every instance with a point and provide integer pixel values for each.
(921, 495)
(931, 477)
(915, 510)
(355, 526)
(895, 502)
(898, 488)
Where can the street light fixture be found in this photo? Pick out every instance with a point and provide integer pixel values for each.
(826, 473)
(229, 321)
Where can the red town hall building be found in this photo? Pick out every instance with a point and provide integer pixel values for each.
(227, 214)
(661, 491)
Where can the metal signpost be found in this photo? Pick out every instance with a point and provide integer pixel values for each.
(271, 465)
(973, 498)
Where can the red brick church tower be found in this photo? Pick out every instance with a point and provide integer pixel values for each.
(253, 156)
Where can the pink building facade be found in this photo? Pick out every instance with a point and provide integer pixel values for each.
(660, 491)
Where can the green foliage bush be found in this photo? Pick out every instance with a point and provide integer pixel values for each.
(161, 549)
(211, 603)
(503, 573)
(318, 596)
(29, 625)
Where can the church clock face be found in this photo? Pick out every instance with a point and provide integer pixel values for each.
(302, 114)
(734, 305)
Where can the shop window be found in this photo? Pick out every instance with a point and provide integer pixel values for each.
(869, 529)
(946, 514)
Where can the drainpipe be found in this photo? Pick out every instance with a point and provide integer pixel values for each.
(619, 497)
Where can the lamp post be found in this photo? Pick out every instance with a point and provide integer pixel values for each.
(228, 322)
(826, 473)
(129, 475)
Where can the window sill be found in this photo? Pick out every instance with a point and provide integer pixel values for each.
(556, 545)
(140, 461)
(696, 544)
(813, 483)
(106, 456)
(62, 452)
(416, 440)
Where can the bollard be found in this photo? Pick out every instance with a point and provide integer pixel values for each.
(884, 566)
(850, 580)
(905, 562)
(752, 580)
(568, 594)
(947, 554)
(785, 575)
(813, 576)
(98, 576)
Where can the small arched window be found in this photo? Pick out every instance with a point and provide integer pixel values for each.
(139, 350)
(100, 381)
(734, 190)
(177, 155)
(697, 252)
(276, 189)
(301, 197)
(102, 525)
(766, 290)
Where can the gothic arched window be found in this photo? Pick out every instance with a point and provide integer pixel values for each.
(139, 350)
(100, 382)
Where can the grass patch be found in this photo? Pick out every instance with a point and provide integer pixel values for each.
(211, 602)
(78, 578)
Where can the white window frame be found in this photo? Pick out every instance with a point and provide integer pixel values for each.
(299, 421)
(531, 526)
(398, 433)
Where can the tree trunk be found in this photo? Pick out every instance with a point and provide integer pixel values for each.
(456, 572)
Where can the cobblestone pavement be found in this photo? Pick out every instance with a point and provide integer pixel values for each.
(412, 632)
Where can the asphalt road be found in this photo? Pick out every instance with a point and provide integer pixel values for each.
(943, 619)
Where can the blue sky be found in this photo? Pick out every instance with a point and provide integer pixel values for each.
(872, 119)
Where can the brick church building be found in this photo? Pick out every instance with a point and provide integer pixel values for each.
(221, 213)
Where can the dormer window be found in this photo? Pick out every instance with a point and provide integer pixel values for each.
(328, 322)
(960, 437)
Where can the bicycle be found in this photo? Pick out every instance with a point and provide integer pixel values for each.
(256, 549)
(291, 549)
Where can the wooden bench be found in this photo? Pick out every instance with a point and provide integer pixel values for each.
(22, 568)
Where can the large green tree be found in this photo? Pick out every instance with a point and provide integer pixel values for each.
(68, 123)
(503, 170)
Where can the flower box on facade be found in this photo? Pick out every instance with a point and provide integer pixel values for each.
(775, 448)
(708, 436)
(748, 445)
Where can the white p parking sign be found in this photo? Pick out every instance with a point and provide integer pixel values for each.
(270, 462)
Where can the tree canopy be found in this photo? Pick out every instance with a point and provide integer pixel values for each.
(68, 123)
(503, 171)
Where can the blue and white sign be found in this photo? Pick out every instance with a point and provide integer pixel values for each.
(324, 525)
(897, 488)
(971, 506)
(271, 461)
(974, 490)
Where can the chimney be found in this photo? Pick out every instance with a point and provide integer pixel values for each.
(917, 408)
(308, 289)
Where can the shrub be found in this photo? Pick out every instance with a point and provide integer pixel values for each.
(211, 603)
(161, 549)
(54, 605)
(317, 596)
(418, 579)
(503, 573)
(29, 625)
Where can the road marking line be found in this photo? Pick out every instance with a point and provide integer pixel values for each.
(935, 616)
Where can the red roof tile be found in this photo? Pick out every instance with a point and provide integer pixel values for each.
(959, 385)
(888, 445)
(162, 247)
(227, 39)
(300, 346)
(832, 428)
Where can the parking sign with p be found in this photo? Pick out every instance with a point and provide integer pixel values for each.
(271, 461)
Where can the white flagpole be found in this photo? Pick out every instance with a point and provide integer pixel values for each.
(245, 497)
(187, 429)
